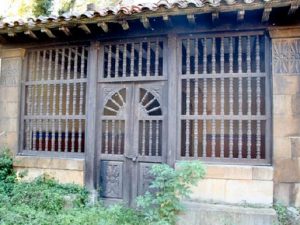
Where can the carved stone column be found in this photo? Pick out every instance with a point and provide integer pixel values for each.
(10, 85)
(286, 113)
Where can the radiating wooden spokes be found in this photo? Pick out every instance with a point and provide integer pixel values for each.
(149, 103)
(116, 103)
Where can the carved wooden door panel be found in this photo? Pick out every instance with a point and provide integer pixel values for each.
(132, 136)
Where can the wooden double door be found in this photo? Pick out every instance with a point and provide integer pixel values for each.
(131, 137)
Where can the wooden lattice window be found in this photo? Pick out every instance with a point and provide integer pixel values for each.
(224, 98)
(129, 60)
(54, 106)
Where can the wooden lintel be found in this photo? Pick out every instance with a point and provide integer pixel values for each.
(146, 23)
(215, 16)
(30, 34)
(167, 20)
(85, 28)
(103, 26)
(240, 15)
(124, 24)
(266, 14)
(48, 32)
(66, 30)
(294, 6)
(191, 19)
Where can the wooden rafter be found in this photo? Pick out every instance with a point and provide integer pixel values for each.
(124, 24)
(215, 16)
(104, 26)
(266, 13)
(240, 15)
(191, 19)
(294, 6)
(168, 21)
(11, 33)
(30, 34)
(85, 28)
(146, 23)
(48, 32)
(65, 30)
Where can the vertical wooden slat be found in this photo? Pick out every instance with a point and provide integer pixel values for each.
(150, 138)
(204, 143)
(140, 59)
(54, 101)
(148, 59)
(124, 60)
(106, 137)
(157, 138)
(132, 60)
(81, 99)
(258, 101)
(119, 136)
(62, 68)
(156, 57)
(196, 56)
(143, 137)
(48, 100)
(41, 109)
(117, 58)
(74, 99)
(222, 99)
(249, 139)
(240, 100)
(188, 56)
(213, 98)
(35, 100)
(196, 112)
(68, 100)
(109, 61)
(187, 139)
(113, 136)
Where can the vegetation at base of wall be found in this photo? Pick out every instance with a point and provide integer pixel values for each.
(45, 202)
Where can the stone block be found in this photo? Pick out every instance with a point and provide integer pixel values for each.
(285, 85)
(8, 125)
(296, 104)
(282, 105)
(229, 172)
(12, 141)
(249, 191)
(282, 193)
(62, 176)
(282, 148)
(9, 94)
(209, 190)
(295, 146)
(286, 126)
(262, 173)
(211, 214)
(287, 170)
(296, 195)
(48, 163)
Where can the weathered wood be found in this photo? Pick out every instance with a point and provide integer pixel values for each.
(104, 26)
(85, 28)
(65, 30)
(48, 32)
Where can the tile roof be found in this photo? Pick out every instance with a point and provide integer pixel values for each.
(128, 10)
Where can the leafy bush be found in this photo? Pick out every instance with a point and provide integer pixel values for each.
(42, 7)
(7, 173)
(162, 204)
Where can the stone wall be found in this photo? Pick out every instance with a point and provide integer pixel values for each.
(286, 114)
(10, 77)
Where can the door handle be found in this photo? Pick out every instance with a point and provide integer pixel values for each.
(133, 158)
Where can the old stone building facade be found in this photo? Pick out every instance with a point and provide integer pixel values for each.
(216, 81)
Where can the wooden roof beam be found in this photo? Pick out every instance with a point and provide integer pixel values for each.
(146, 23)
(266, 13)
(167, 20)
(240, 15)
(215, 17)
(104, 26)
(294, 6)
(48, 32)
(66, 30)
(11, 33)
(191, 19)
(30, 34)
(85, 28)
(124, 24)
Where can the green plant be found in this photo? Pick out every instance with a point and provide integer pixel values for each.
(67, 5)
(282, 213)
(42, 7)
(7, 173)
(162, 204)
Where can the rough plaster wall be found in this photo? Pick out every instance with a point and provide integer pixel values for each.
(286, 120)
(10, 76)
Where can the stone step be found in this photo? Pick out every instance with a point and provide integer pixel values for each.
(216, 214)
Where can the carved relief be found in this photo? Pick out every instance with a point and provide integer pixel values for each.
(111, 179)
(10, 72)
(145, 178)
(286, 56)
